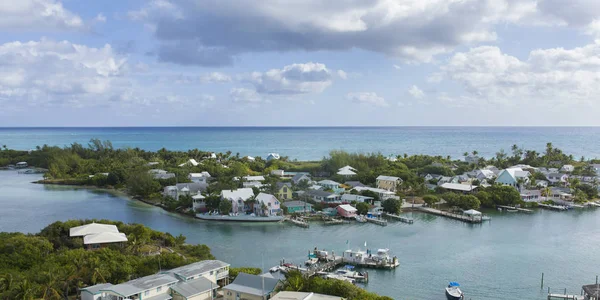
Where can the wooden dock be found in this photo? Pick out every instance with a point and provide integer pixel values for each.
(515, 208)
(399, 218)
(380, 222)
(450, 215)
(553, 207)
(564, 297)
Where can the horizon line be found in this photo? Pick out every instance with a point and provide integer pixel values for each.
(307, 126)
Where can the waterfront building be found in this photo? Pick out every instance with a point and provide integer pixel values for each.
(237, 198)
(298, 207)
(250, 287)
(284, 190)
(531, 195)
(389, 183)
(96, 235)
(457, 187)
(21, 164)
(383, 194)
(349, 198)
(323, 196)
(557, 178)
(184, 189)
(198, 204)
(346, 211)
(266, 205)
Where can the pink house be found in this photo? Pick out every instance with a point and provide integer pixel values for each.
(346, 211)
(271, 205)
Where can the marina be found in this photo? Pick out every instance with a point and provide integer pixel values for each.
(380, 222)
(399, 218)
(450, 215)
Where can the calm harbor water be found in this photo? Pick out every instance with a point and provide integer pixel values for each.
(502, 259)
(310, 143)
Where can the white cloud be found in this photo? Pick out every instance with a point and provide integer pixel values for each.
(215, 77)
(292, 79)
(37, 14)
(100, 18)
(245, 95)
(397, 67)
(416, 92)
(342, 74)
(547, 77)
(367, 98)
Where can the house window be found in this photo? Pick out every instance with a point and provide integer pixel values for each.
(158, 289)
(212, 272)
(269, 204)
(285, 189)
(146, 293)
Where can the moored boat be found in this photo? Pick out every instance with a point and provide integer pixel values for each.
(453, 291)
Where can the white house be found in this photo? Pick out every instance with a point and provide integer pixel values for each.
(198, 203)
(389, 183)
(349, 198)
(273, 156)
(457, 187)
(199, 177)
(250, 158)
(237, 198)
(557, 178)
(541, 183)
(96, 235)
(383, 194)
(187, 189)
(92, 228)
(270, 202)
(483, 174)
(21, 164)
(567, 168)
(513, 177)
(531, 195)
(190, 162)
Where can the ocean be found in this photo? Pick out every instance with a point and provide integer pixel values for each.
(313, 143)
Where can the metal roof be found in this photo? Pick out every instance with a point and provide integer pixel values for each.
(141, 284)
(91, 229)
(198, 268)
(104, 237)
(95, 289)
(194, 287)
(252, 284)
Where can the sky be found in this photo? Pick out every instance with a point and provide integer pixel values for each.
(300, 63)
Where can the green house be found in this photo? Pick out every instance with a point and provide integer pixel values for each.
(298, 207)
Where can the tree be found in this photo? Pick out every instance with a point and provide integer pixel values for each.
(431, 200)
(225, 207)
(362, 208)
(580, 196)
(392, 206)
(142, 184)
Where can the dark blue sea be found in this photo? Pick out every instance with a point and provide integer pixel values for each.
(312, 143)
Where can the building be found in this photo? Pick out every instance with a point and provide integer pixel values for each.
(185, 189)
(304, 296)
(541, 183)
(197, 281)
(457, 187)
(383, 194)
(331, 185)
(596, 168)
(346, 171)
(161, 174)
(531, 195)
(299, 177)
(284, 191)
(250, 287)
(96, 235)
(567, 168)
(323, 196)
(444, 179)
(484, 174)
(389, 183)
(272, 156)
(279, 173)
(472, 159)
(349, 198)
(354, 183)
(346, 211)
(199, 177)
(266, 205)
(237, 198)
(190, 162)
(298, 207)
(514, 177)
(557, 178)
(198, 204)
(21, 164)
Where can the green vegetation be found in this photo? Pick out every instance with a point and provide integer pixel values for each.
(392, 206)
(233, 272)
(362, 208)
(298, 283)
(52, 265)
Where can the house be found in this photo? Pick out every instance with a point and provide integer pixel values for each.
(184, 189)
(299, 177)
(346, 211)
(349, 198)
(279, 173)
(323, 196)
(346, 173)
(457, 187)
(561, 195)
(198, 203)
(383, 194)
(161, 174)
(315, 187)
(272, 156)
(354, 183)
(389, 183)
(259, 178)
(298, 207)
(541, 183)
(284, 191)
(472, 159)
(92, 228)
(267, 205)
(197, 281)
(557, 178)
(459, 179)
(190, 162)
(567, 168)
(531, 195)
(153, 163)
(331, 185)
(251, 287)
(514, 177)
(237, 198)
(444, 179)
(493, 169)
(96, 235)
(483, 174)
(304, 296)
(21, 164)
(251, 184)
(199, 177)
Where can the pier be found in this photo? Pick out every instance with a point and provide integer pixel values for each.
(377, 221)
(515, 208)
(553, 207)
(399, 218)
(450, 215)
(298, 222)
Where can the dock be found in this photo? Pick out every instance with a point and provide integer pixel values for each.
(515, 208)
(297, 222)
(377, 221)
(450, 215)
(399, 218)
(564, 297)
(553, 207)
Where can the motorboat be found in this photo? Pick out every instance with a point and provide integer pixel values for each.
(486, 218)
(360, 219)
(311, 261)
(348, 272)
(453, 291)
(274, 269)
(339, 277)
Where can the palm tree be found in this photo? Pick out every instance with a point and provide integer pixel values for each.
(49, 287)
(466, 154)
(475, 152)
(25, 290)
(6, 282)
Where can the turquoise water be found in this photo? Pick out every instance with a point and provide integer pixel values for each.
(502, 259)
(309, 143)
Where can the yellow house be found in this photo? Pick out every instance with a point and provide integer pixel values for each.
(250, 287)
(284, 191)
(389, 183)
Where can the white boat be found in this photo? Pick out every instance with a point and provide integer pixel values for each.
(512, 210)
(361, 219)
(349, 273)
(453, 291)
(339, 277)
(311, 261)
(274, 269)
(486, 218)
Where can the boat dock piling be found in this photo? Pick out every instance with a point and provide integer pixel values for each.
(450, 215)
(400, 218)
(553, 207)
(515, 208)
(377, 221)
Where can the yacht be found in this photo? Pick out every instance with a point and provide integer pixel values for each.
(453, 291)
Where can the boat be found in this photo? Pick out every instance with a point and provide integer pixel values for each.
(511, 210)
(453, 291)
(348, 272)
(311, 261)
(486, 218)
(274, 269)
(499, 209)
(360, 219)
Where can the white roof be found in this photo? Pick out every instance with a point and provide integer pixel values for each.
(243, 193)
(517, 172)
(250, 158)
(387, 178)
(303, 296)
(104, 237)
(254, 178)
(347, 207)
(274, 155)
(347, 168)
(198, 196)
(346, 172)
(459, 187)
(487, 173)
(191, 161)
(376, 190)
(199, 175)
(92, 228)
(328, 182)
(472, 212)
(264, 197)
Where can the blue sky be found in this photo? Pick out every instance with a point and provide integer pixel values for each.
(299, 62)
